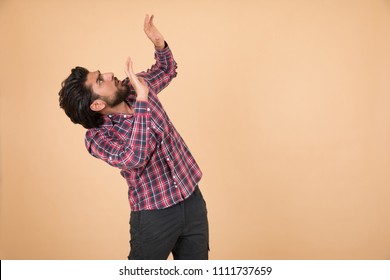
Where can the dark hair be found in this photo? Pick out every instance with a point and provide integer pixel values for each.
(76, 97)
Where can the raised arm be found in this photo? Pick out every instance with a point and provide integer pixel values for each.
(164, 70)
(128, 153)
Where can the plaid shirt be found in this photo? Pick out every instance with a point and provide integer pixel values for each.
(156, 163)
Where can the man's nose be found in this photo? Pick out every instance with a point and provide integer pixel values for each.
(108, 76)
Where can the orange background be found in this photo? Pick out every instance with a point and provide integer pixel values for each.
(284, 103)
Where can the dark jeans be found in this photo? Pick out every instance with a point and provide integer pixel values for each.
(181, 229)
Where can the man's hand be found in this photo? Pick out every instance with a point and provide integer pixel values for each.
(153, 34)
(140, 86)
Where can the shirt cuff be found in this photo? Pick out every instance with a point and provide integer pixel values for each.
(163, 51)
(141, 108)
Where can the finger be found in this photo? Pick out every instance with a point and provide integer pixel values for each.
(129, 69)
(126, 68)
(134, 80)
(151, 20)
(146, 21)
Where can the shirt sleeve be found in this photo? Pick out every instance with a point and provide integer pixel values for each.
(162, 72)
(125, 152)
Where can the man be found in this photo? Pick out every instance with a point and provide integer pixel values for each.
(129, 129)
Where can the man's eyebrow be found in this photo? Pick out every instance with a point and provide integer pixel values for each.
(98, 77)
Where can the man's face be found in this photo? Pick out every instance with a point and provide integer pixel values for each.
(107, 87)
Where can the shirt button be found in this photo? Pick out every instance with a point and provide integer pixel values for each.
(148, 109)
(167, 158)
(125, 116)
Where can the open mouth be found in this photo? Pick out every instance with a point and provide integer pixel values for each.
(125, 82)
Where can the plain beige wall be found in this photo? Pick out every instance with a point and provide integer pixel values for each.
(284, 103)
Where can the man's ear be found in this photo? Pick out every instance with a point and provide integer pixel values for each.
(97, 105)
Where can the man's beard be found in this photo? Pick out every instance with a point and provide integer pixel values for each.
(120, 96)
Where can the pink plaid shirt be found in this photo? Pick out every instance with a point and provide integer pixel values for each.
(156, 163)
